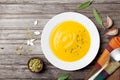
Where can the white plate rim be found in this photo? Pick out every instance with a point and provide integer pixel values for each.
(88, 58)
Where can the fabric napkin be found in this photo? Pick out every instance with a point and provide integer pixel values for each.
(113, 44)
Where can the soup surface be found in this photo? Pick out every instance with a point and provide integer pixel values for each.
(70, 41)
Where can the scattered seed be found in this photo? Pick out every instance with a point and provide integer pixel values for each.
(28, 28)
(35, 22)
(30, 50)
(19, 48)
(37, 33)
(30, 42)
(18, 53)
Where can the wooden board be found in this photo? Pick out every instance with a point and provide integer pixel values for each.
(17, 15)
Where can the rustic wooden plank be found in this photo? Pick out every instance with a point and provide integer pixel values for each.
(12, 59)
(21, 37)
(20, 24)
(17, 79)
(15, 37)
(12, 64)
(19, 31)
(9, 35)
(26, 16)
(17, 60)
(114, 15)
(17, 15)
(50, 8)
(15, 29)
(7, 48)
(48, 16)
(53, 1)
(20, 79)
(11, 49)
(17, 64)
(19, 42)
(48, 73)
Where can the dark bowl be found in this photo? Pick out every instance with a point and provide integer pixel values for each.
(40, 62)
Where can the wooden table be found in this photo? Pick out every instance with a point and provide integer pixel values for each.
(17, 15)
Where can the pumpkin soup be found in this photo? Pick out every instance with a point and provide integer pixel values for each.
(70, 41)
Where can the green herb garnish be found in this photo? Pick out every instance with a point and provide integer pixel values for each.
(71, 50)
(64, 77)
(85, 5)
(98, 17)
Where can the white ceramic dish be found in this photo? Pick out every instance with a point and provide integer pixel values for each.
(88, 58)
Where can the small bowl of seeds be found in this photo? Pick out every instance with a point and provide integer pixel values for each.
(35, 64)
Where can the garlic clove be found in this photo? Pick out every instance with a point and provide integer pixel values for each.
(112, 32)
(108, 23)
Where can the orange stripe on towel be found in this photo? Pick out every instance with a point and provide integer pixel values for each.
(115, 42)
(104, 58)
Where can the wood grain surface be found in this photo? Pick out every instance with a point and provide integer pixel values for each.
(17, 15)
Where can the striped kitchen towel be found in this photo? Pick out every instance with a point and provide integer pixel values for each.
(113, 44)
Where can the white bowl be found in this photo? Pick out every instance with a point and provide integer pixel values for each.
(92, 52)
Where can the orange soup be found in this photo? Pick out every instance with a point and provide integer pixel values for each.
(70, 41)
